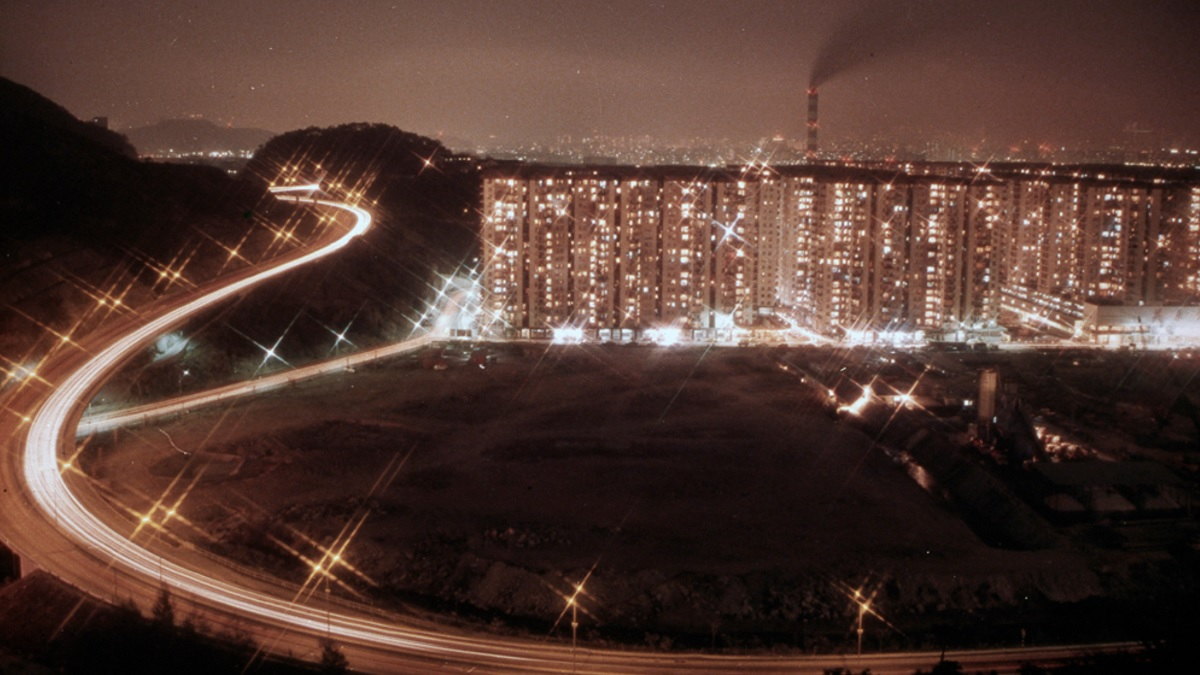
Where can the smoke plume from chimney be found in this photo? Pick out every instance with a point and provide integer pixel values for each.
(881, 30)
(811, 148)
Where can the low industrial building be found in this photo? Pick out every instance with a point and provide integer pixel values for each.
(1143, 327)
(1112, 489)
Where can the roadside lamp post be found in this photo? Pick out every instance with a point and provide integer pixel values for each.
(863, 606)
(328, 620)
(573, 603)
(574, 623)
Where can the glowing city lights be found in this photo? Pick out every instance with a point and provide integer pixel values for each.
(860, 404)
(568, 335)
(812, 253)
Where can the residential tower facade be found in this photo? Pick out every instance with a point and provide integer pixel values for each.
(836, 250)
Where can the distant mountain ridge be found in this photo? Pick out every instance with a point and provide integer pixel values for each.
(194, 135)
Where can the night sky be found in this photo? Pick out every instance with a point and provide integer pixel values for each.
(1076, 73)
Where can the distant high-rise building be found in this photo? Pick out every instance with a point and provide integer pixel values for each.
(943, 249)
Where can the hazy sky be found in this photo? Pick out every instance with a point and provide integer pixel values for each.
(1005, 70)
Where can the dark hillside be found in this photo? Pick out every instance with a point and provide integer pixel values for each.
(425, 223)
(63, 177)
(415, 182)
(81, 217)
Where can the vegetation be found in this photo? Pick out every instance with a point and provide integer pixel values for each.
(425, 220)
(43, 621)
(82, 215)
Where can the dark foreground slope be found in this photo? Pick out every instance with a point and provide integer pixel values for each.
(45, 622)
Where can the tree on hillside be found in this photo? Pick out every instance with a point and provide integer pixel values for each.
(333, 661)
(163, 612)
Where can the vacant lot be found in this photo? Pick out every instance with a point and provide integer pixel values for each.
(709, 492)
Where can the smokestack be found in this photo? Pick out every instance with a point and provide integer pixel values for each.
(811, 151)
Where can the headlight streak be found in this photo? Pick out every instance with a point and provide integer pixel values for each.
(49, 491)
(104, 421)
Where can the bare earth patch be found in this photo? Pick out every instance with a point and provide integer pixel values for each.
(711, 497)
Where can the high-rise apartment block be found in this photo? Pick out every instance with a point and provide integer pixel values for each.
(837, 250)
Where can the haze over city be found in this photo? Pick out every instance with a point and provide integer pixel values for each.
(600, 337)
(1062, 73)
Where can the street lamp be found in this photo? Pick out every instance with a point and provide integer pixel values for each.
(572, 601)
(864, 605)
(574, 605)
(863, 601)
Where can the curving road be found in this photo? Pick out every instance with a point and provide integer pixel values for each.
(60, 525)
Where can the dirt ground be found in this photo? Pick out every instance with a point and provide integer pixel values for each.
(701, 492)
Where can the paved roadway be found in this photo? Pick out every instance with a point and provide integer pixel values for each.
(55, 521)
(112, 419)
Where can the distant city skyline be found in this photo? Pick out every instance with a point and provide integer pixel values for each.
(1005, 73)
